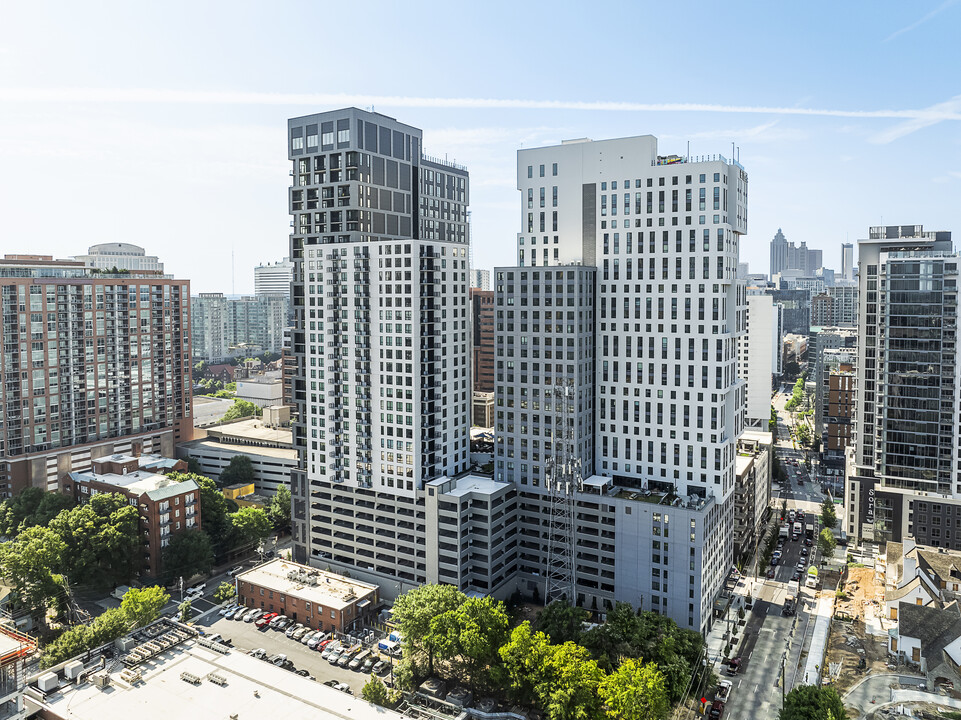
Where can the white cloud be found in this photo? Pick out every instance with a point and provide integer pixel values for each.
(908, 28)
(947, 110)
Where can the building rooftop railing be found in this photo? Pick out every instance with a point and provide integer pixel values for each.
(445, 162)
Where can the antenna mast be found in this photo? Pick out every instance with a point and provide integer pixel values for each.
(563, 476)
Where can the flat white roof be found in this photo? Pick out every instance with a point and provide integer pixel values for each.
(330, 590)
(741, 463)
(760, 436)
(163, 695)
(476, 483)
(597, 481)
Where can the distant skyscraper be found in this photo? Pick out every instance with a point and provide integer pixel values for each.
(274, 278)
(903, 478)
(94, 363)
(482, 329)
(222, 325)
(847, 261)
(123, 256)
(480, 279)
(788, 256)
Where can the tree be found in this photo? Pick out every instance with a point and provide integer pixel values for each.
(635, 691)
(241, 409)
(225, 592)
(376, 692)
(279, 508)
(184, 611)
(525, 658)
(31, 506)
(248, 526)
(470, 635)
(103, 546)
(200, 367)
(214, 510)
(239, 470)
(415, 610)
(829, 517)
(32, 564)
(812, 702)
(803, 434)
(827, 543)
(188, 554)
(143, 606)
(571, 689)
(562, 621)
(193, 466)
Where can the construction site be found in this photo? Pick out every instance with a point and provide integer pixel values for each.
(857, 645)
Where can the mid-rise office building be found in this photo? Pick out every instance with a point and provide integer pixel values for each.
(834, 411)
(482, 330)
(120, 256)
(382, 342)
(796, 310)
(837, 306)
(274, 278)
(225, 327)
(616, 355)
(480, 279)
(789, 256)
(902, 477)
(93, 363)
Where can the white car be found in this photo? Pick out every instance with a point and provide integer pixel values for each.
(308, 636)
(253, 615)
(316, 640)
(329, 650)
(293, 628)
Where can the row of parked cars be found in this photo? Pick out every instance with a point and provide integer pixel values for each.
(349, 655)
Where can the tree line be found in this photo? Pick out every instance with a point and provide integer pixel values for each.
(634, 666)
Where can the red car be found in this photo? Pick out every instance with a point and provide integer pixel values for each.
(264, 620)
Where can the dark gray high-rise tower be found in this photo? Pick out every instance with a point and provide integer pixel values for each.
(381, 340)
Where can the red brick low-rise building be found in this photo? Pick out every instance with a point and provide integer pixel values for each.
(167, 507)
(319, 599)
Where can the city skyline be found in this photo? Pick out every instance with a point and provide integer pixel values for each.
(178, 152)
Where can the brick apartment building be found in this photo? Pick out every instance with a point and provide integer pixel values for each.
(93, 363)
(482, 324)
(319, 599)
(167, 507)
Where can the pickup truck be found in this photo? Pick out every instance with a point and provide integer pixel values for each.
(723, 691)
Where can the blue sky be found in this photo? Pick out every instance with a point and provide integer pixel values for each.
(163, 124)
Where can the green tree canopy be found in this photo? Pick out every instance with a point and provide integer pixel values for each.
(214, 510)
(31, 506)
(562, 621)
(249, 526)
(827, 543)
(470, 636)
(812, 702)
(143, 605)
(241, 409)
(188, 554)
(239, 470)
(525, 658)
(226, 591)
(829, 517)
(102, 538)
(32, 564)
(570, 691)
(414, 612)
(635, 691)
(279, 508)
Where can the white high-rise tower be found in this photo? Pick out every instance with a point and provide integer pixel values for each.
(381, 339)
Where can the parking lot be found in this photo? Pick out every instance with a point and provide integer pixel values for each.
(246, 637)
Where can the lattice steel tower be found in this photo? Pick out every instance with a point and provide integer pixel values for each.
(563, 479)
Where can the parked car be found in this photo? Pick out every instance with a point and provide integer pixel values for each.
(259, 653)
(344, 687)
(229, 614)
(322, 645)
(293, 628)
(278, 659)
(348, 656)
(264, 620)
(235, 571)
(804, 552)
(299, 633)
(253, 615)
(227, 608)
(316, 640)
(278, 621)
(308, 636)
(380, 667)
(796, 577)
(358, 660)
(334, 656)
(368, 664)
(329, 650)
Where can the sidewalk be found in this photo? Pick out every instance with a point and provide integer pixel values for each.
(819, 641)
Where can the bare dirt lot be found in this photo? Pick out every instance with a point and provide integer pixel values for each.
(849, 642)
